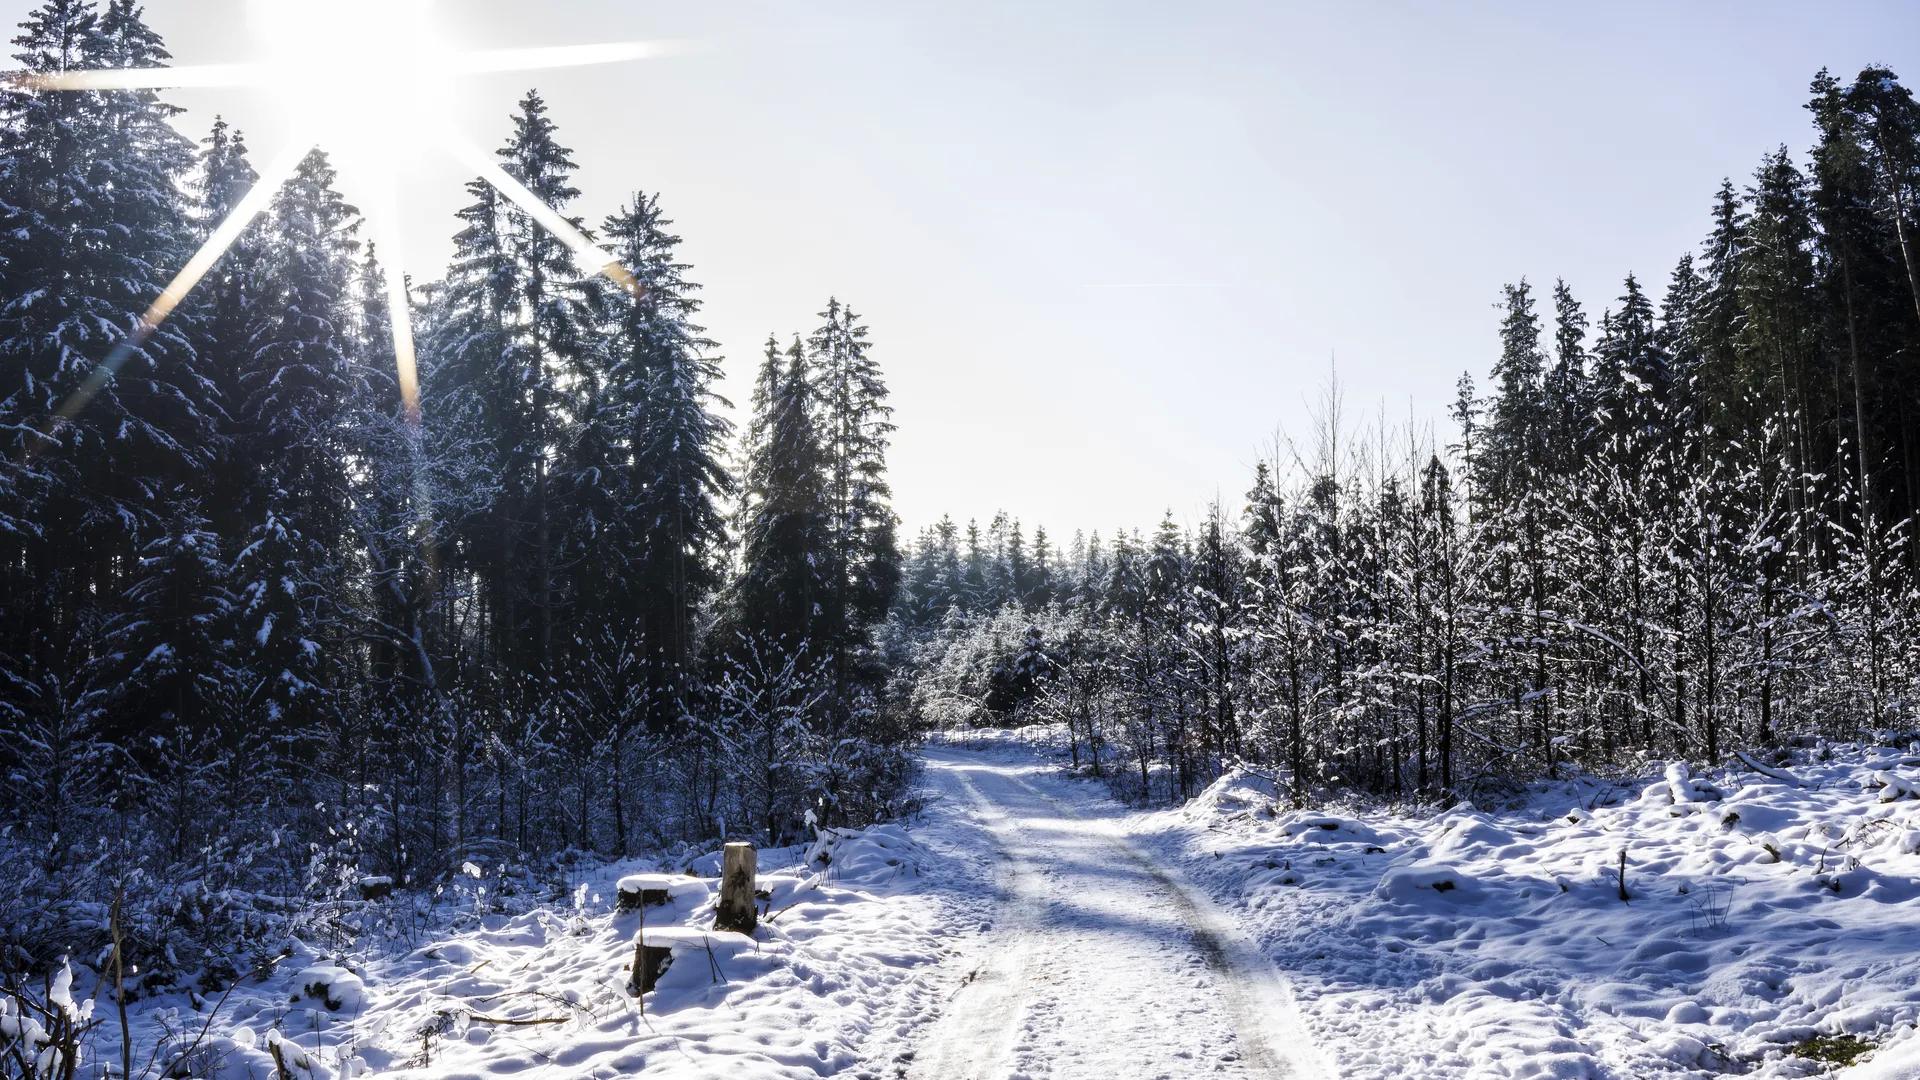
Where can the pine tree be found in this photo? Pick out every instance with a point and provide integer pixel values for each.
(1779, 341)
(523, 341)
(1040, 581)
(1680, 342)
(168, 657)
(784, 581)
(672, 528)
(1717, 323)
(1511, 443)
(102, 416)
(223, 313)
(295, 390)
(1566, 392)
(856, 424)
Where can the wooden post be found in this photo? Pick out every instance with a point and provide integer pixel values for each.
(736, 910)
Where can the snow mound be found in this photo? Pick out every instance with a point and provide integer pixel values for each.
(1421, 883)
(1328, 830)
(876, 855)
(1236, 792)
(337, 988)
(1893, 786)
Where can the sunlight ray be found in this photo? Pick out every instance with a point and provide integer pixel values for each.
(204, 260)
(405, 362)
(229, 230)
(487, 61)
(167, 78)
(591, 257)
(385, 218)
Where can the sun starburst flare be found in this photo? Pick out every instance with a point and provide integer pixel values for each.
(369, 80)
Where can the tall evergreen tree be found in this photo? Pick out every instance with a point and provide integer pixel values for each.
(784, 582)
(102, 416)
(524, 342)
(291, 425)
(661, 378)
(856, 424)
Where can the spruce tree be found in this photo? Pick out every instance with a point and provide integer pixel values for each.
(661, 377)
(295, 388)
(785, 583)
(168, 658)
(224, 311)
(523, 340)
(856, 425)
(1717, 322)
(103, 416)
(1567, 405)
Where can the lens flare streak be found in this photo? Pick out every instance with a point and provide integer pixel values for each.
(224, 235)
(495, 61)
(173, 78)
(589, 256)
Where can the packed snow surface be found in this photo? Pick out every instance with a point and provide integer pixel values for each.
(1099, 961)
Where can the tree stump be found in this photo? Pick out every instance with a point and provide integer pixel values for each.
(640, 898)
(649, 963)
(736, 911)
(637, 892)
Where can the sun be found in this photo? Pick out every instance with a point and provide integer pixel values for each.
(363, 78)
(371, 82)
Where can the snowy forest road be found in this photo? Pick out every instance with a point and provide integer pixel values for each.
(1101, 962)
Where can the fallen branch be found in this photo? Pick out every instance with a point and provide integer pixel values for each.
(511, 1022)
(1781, 775)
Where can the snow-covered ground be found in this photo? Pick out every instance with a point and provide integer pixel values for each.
(1763, 911)
(830, 980)
(1026, 926)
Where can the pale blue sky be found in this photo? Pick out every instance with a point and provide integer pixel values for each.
(1107, 249)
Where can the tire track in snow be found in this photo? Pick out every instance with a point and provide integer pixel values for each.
(974, 1037)
(1103, 962)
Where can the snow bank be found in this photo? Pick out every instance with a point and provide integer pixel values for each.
(1765, 908)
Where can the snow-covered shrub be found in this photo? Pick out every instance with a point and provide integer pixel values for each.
(43, 1029)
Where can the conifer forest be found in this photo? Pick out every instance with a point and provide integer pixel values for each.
(273, 627)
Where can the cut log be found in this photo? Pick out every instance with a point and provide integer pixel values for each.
(737, 871)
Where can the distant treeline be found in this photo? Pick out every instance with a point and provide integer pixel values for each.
(1681, 530)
